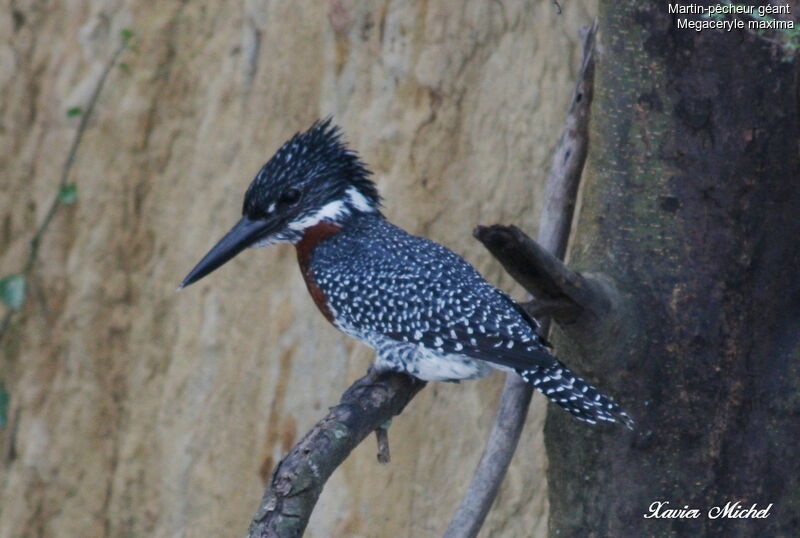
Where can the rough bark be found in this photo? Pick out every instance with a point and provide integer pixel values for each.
(689, 210)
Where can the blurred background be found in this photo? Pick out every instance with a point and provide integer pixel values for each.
(128, 134)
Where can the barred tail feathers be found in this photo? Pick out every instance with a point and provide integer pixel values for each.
(585, 402)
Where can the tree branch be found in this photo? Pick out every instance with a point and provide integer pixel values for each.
(554, 226)
(559, 292)
(300, 476)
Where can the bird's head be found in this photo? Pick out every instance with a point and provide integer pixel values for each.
(312, 178)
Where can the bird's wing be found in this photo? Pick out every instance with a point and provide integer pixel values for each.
(495, 338)
(428, 295)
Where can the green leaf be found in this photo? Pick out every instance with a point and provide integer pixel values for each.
(12, 291)
(126, 34)
(125, 68)
(68, 194)
(74, 111)
(3, 406)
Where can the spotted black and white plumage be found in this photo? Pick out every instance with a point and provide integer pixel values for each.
(429, 313)
(425, 310)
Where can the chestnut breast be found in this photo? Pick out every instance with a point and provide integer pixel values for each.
(312, 237)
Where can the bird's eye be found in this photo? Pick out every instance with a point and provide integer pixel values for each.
(290, 197)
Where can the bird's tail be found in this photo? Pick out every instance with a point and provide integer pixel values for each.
(563, 387)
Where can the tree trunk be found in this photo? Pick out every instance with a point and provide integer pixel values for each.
(690, 213)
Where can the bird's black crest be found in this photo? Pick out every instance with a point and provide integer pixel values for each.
(319, 154)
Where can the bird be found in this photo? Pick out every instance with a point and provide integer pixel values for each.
(425, 310)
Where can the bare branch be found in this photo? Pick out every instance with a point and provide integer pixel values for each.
(560, 194)
(489, 474)
(299, 478)
(561, 189)
(558, 291)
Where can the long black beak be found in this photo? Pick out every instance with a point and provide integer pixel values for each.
(242, 235)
